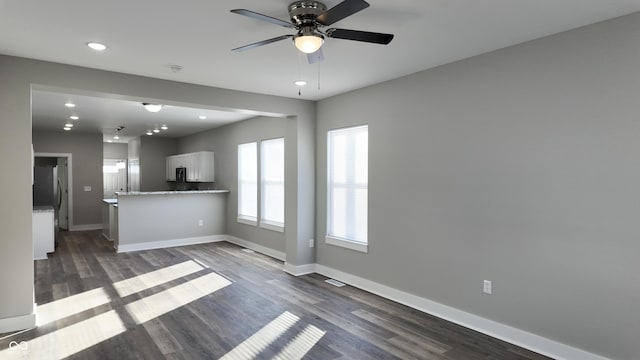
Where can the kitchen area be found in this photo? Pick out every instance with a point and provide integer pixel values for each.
(147, 180)
(190, 211)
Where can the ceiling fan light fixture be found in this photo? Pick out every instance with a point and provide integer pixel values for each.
(308, 43)
(154, 108)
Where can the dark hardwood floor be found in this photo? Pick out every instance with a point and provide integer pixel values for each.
(217, 301)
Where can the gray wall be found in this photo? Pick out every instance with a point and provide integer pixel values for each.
(223, 141)
(155, 218)
(18, 76)
(86, 152)
(520, 166)
(115, 150)
(153, 164)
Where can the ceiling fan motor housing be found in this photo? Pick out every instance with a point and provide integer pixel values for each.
(304, 13)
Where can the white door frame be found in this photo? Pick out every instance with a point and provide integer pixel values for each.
(69, 181)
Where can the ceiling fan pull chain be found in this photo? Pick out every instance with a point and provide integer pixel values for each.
(299, 78)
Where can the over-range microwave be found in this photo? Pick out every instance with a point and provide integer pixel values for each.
(181, 174)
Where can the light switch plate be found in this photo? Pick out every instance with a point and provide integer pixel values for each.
(87, 188)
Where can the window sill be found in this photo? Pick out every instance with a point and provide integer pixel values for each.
(246, 221)
(272, 226)
(353, 245)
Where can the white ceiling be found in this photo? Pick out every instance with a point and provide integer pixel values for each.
(146, 36)
(105, 115)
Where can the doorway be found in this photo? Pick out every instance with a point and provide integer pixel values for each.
(114, 177)
(61, 186)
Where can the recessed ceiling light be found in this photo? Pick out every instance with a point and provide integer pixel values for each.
(68, 125)
(97, 46)
(70, 105)
(116, 137)
(164, 127)
(109, 141)
(156, 130)
(202, 117)
(74, 117)
(66, 128)
(300, 83)
(149, 133)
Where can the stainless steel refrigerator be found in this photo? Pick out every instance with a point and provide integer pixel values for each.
(46, 190)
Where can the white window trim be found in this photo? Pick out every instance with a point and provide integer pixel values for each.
(247, 220)
(332, 239)
(272, 225)
(349, 244)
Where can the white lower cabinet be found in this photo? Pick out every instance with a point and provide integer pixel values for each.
(43, 233)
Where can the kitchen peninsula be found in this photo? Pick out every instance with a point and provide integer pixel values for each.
(150, 220)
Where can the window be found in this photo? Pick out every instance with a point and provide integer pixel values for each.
(347, 187)
(248, 183)
(272, 184)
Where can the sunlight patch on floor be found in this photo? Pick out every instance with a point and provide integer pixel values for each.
(155, 278)
(301, 344)
(258, 342)
(70, 305)
(165, 301)
(69, 340)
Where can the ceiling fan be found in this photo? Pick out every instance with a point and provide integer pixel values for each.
(308, 18)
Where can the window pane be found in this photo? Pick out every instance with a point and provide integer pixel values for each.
(248, 180)
(360, 216)
(273, 196)
(361, 157)
(339, 149)
(272, 180)
(347, 185)
(338, 212)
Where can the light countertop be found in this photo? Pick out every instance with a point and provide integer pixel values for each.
(43, 209)
(110, 201)
(189, 192)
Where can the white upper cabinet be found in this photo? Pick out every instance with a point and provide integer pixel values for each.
(200, 166)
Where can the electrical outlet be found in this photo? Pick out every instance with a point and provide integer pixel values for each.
(311, 243)
(487, 287)
(200, 222)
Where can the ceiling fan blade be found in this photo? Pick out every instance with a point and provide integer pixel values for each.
(357, 35)
(341, 11)
(315, 57)
(258, 16)
(260, 43)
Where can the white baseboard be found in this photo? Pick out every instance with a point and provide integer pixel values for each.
(492, 328)
(257, 247)
(122, 248)
(85, 227)
(18, 323)
(299, 270)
